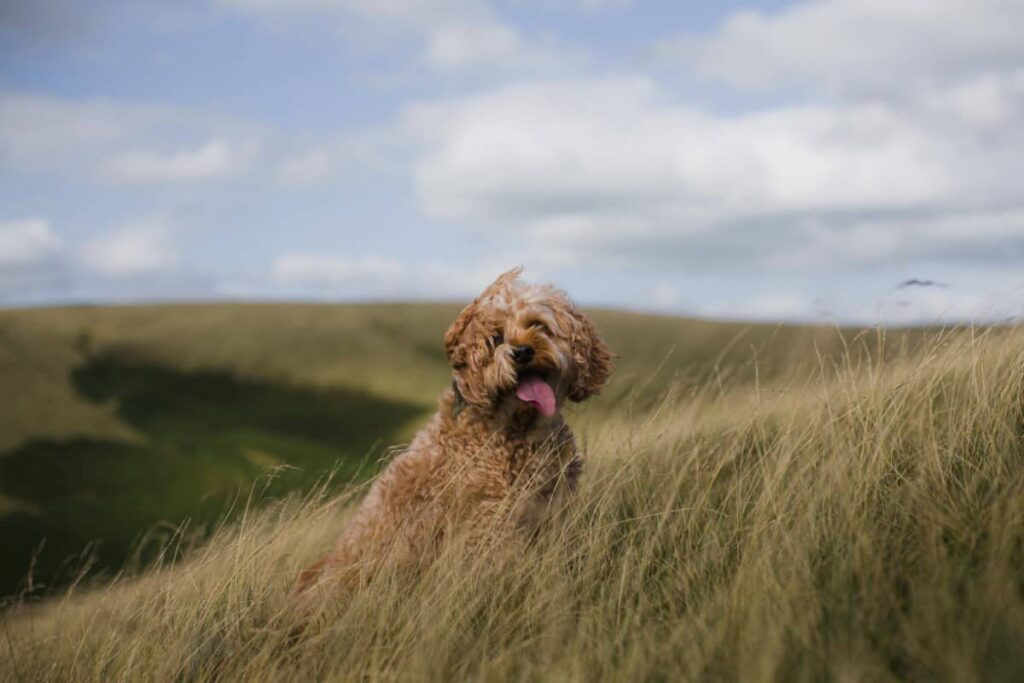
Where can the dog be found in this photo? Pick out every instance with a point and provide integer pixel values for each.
(497, 455)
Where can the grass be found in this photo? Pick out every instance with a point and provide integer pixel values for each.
(121, 420)
(201, 435)
(861, 520)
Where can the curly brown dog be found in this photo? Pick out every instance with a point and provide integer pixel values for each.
(497, 454)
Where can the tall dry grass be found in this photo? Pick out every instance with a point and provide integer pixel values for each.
(867, 525)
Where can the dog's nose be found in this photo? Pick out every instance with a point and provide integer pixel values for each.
(522, 354)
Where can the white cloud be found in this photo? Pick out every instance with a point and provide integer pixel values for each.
(593, 5)
(489, 46)
(334, 270)
(989, 236)
(849, 46)
(664, 297)
(395, 10)
(211, 159)
(460, 45)
(999, 297)
(460, 36)
(991, 294)
(307, 168)
(372, 276)
(917, 306)
(26, 242)
(131, 251)
(780, 305)
(121, 143)
(31, 259)
(602, 147)
(617, 167)
(409, 9)
(903, 151)
(585, 5)
(986, 101)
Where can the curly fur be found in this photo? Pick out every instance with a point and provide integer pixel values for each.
(487, 462)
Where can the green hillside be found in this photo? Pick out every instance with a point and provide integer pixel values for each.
(124, 421)
(837, 511)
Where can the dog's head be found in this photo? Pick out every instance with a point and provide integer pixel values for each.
(525, 344)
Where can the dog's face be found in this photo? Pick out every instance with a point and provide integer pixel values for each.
(527, 345)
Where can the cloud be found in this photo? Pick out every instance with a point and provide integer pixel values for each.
(987, 101)
(594, 5)
(27, 242)
(334, 270)
(130, 251)
(924, 306)
(997, 295)
(547, 150)
(779, 305)
(31, 258)
(994, 237)
(209, 160)
(134, 263)
(454, 36)
(119, 142)
(618, 168)
(488, 45)
(395, 10)
(307, 168)
(664, 297)
(372, 276)
(888, 146)
(856, 46)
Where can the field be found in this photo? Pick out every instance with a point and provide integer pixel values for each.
(759, 502)
(124, 423)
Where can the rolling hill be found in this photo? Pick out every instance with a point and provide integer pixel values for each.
(759, 503)
(122, 423)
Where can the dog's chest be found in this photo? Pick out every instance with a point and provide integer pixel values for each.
(541, 477)
(522, 472)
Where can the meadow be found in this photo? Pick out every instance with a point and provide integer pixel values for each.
(122, 424)
(760, 502)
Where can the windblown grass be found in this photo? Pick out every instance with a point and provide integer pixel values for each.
(867, 524)
(118, 419)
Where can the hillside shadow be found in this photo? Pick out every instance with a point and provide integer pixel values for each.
(205, 436)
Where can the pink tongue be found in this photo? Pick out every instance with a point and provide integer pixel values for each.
(536, 392)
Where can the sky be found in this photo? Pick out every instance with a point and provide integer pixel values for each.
(834, 161)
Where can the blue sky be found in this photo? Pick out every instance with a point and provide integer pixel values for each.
(777, 161)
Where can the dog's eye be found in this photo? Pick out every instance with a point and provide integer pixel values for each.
(498, 339)
(538, 325)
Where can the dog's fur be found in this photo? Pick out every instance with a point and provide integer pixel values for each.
(487, 462)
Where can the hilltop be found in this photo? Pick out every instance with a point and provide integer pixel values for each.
(123, 423)
(852, 510)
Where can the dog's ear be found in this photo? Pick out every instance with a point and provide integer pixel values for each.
(464, 351)
(453, 337)
(592, 356)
